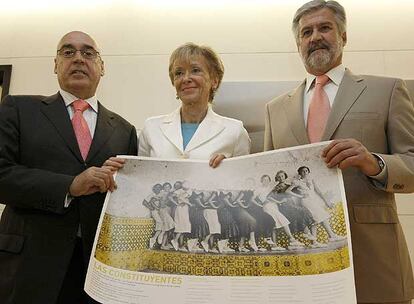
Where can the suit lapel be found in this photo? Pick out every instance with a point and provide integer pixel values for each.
(55, 110)
(103, 131)
(349, 90)
(171, 128)
(293, 106)
(207, 129)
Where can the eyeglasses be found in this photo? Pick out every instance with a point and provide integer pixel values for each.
(87, 53)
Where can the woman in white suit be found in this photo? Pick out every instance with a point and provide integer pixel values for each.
(193, 130)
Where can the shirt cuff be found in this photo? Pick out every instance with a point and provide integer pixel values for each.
(68, 200)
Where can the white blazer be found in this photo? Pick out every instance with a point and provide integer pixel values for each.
(161, 137)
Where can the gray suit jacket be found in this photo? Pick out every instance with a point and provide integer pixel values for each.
(378, 112)
(39, 158)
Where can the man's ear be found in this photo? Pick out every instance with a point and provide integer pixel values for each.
(55, 68)
(102, 68)
(297, 42)
(344, 38)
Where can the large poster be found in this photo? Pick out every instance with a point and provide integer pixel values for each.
(270, 227)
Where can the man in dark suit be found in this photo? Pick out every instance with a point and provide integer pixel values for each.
(370, 120)
(51, 179)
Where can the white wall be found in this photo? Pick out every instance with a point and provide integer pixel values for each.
(254, 40)
(252, 37)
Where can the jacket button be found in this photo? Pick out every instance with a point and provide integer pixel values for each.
(398, 186)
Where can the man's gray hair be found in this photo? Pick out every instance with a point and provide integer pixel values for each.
(316, 5)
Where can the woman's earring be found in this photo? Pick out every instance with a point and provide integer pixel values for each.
(176, 97)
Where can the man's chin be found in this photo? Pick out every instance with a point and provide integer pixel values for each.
(79, 82)
(319, 61)
(79, 88)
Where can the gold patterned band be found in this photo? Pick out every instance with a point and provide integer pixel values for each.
(123, 243)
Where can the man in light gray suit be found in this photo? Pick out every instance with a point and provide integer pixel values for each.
(371, 122)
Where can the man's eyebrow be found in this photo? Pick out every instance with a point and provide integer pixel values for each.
(326, 23)
(65, 46)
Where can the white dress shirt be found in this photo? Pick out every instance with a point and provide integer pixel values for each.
(90, 115)
(331, 88)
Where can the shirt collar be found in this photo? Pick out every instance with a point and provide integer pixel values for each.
(68, 98)
(335, 75)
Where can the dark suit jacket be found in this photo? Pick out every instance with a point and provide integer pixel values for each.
(39, 158)
(379, 113)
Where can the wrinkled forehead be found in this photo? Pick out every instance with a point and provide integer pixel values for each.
(77, 40)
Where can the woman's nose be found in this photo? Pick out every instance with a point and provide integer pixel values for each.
(187, 76)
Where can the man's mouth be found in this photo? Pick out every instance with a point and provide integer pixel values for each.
(77, 72)
(317, 48)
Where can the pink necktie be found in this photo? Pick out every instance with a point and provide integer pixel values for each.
(80, 126)
(319, 109)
